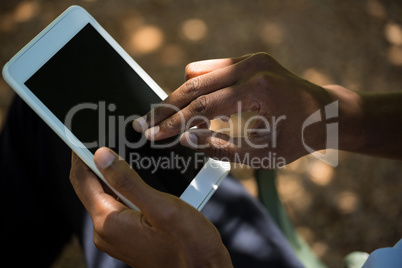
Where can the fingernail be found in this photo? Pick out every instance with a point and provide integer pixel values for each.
(104, 159)
(189, 139)
(140, 124)
(152, 132)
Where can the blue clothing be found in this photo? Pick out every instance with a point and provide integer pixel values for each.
(385, 257)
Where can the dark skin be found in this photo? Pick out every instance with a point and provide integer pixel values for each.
(368, 123)
(178, 234)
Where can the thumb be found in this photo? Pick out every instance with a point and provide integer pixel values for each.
(124, 179)
(215, 144)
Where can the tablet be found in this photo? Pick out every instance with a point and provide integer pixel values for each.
(77, 78)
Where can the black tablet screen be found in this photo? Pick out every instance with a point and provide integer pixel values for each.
(96, 94)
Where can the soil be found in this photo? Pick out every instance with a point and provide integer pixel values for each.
(357, 44)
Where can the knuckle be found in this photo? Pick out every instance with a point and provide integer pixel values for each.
(123, 181)
(218, 153)
(192, 87)
(75, 177)
(72, 177)
(261, 81)
(99, 227)
(162, 111)
(99, 242)
(102, 230)
(169, 124)
(154, 115)
(200, 104)
(220, 149)
(262, 57)
(156, 111)
(262, 61)
(172, 213)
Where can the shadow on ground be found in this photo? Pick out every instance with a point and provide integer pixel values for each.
(358, 44)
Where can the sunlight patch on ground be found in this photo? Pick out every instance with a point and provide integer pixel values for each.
(347, 202)
(26, 11)
(194, 29)
(291, 190)
(172, 55)
(146, 39)
(321, 173)
(272, 33)
(376, 9)
(320, 248)
(395, 55)
(393, 33)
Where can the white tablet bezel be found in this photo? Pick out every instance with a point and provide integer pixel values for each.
(43, 47)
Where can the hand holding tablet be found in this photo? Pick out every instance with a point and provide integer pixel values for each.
(167, 232)
(89, 91)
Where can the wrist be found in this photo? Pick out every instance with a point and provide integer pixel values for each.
(351, 132)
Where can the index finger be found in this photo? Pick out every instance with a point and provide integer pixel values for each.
(198, 68)
(216, 79)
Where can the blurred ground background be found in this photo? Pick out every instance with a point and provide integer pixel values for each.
(358, 44)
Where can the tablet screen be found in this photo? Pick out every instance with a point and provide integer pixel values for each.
(89, 87)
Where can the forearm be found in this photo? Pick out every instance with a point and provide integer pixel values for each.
(369, 123)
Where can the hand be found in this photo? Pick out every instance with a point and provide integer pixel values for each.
(167, 232)
(219, 88)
